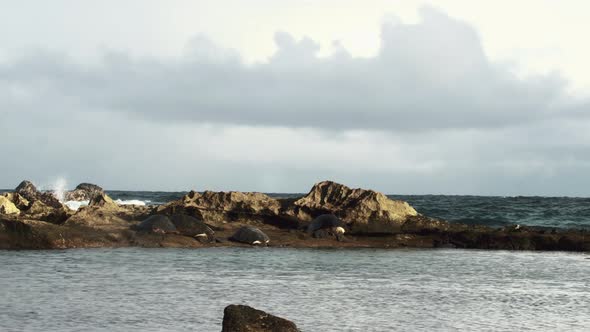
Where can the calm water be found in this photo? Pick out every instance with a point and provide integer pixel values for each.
(321, 290)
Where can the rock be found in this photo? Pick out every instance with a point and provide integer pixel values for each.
(104, 201)
(7, 206)
(190, 226)
(157, 224)
(103, 212)
(365, 211)
(220, 207)
(250, 235)
(84, 192)
(242, 318)
(18, 200)
(28, 190)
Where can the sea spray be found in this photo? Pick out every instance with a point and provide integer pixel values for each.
(59, 188)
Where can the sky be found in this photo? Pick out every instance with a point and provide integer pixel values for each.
(404, 97)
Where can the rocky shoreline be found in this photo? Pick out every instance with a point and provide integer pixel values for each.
(30, 219)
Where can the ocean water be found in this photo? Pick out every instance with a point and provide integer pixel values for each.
(134, 289)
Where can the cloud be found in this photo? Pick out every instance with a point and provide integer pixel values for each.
(430, 113)
(429, 75)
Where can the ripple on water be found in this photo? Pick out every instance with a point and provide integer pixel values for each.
(321, 290)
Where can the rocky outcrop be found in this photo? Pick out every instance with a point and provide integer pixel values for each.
(84, 192)
(220, 207)
(242, 318)
(103, 212)
(28, 190)
(365, 211)
(7, 206)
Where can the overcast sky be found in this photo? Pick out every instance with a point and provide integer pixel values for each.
(406, 97)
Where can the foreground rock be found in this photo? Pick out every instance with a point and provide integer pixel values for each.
(242, 318)
(365, 211)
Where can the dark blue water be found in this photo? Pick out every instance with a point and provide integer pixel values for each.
(136, 289)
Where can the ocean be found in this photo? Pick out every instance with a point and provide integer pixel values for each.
(134, 289)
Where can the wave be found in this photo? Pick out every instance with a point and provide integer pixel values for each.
(76, 205)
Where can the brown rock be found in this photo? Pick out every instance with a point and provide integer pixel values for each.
(219, 207)
(103, 212)
(84, 192)
(241, 318)
(28, 190)
(365, 211)
(7, 206)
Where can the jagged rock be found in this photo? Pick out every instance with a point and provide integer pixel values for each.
(242, 318)
(102, 200)
(84, 192)
(18, 200)
(365, 211)
(103, 212)
(219, 207)
(7, 206)
(28, 190)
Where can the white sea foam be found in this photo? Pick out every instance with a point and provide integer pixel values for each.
(75, 205)
(130, 202)
(59, 188)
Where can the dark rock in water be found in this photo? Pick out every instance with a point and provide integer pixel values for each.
(191, 226)
(242, 318)
(250, 235)
(157, 224)
(84, 192)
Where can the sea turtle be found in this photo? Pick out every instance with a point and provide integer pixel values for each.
(327, 225)
(157, 224)
(191, 226)
(250, 235)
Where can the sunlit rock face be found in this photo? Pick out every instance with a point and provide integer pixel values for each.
(365, 211)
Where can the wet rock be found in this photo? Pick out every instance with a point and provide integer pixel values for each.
(365, 211)
(84, 192)
(242, 318)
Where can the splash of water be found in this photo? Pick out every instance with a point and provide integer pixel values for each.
(59, 189)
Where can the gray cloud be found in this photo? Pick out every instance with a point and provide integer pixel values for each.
(430, 75)
(430, 113)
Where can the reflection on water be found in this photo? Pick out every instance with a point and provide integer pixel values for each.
(320, 290)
